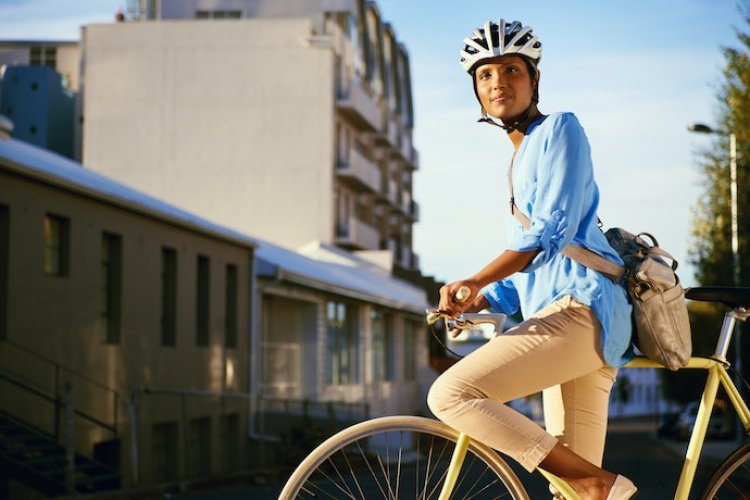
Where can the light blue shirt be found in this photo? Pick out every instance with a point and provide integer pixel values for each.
(553, 185)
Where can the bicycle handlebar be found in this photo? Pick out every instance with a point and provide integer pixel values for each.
(466, 320)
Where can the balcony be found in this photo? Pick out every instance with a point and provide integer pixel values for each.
(394, 132)
(359, 172)
(359, 107)
(411, 209)
(406, 146)
(357, 235)
(403, 255)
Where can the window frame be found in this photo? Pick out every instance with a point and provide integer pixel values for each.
(56, 259)
(169, 279)
(342, 343)
(111, 287)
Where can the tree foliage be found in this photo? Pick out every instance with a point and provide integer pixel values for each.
(711, 248)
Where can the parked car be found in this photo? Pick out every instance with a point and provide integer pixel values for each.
(720, 426)
(667, 427)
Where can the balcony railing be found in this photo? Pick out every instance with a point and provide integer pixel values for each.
(359, 107)
(414, 211)
(357, 234)
(359, 172)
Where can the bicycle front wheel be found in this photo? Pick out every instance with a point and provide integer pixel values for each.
(400, 457)
(732, 478)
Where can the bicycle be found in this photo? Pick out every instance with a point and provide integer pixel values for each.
(397, 456)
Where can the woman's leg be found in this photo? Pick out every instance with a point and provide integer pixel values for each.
(558, 345)
(575, 412)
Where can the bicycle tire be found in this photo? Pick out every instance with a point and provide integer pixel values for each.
(393, 457)
(731, 480)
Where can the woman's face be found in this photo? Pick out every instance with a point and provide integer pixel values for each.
(504, 87)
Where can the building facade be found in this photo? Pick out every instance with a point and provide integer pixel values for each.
(134, 333)
(301, 108)
(127, 315)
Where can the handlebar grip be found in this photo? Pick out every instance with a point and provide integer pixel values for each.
(463, 293)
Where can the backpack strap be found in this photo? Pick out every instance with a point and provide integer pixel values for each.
(580, 254)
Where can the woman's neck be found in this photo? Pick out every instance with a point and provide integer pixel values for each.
(517, 135)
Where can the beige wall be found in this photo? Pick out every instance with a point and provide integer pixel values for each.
(232, 120)
(53, 324)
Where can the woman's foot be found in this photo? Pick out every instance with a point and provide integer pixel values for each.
(622, 489)
(594, 488)
(588, 488)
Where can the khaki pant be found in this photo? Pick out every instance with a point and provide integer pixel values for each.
(558, 351)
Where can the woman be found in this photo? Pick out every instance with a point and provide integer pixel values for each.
(576, 329)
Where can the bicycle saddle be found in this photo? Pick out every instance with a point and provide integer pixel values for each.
(728, 295)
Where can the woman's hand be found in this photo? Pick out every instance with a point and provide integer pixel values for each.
(450, 303)
(453, 304)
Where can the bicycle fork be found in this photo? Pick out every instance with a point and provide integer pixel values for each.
(457, 460)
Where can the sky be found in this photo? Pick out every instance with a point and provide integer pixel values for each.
(635, 73)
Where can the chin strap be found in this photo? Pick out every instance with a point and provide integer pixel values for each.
(524, 118)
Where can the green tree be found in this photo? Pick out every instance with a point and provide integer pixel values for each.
(711, 251)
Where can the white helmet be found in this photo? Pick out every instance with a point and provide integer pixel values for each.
(486, 43)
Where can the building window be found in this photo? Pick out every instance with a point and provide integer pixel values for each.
(230, 439)
(199, 454)
(230, 307)
(164, 451)
(111, 273)
(411, 333)
(4, 267)
(56, 245)
(202, 303)
(342, 363)
(382, 345)
(168, 296)
(41, 55)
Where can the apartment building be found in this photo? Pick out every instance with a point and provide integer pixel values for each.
(302, 108)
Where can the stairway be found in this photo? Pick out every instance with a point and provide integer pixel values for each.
(34, 459)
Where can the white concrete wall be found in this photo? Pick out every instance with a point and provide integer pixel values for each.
(185, 9)
(233, 120)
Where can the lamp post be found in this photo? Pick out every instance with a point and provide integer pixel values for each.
(705, 129)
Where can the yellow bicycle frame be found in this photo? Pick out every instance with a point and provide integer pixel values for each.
(717, 375)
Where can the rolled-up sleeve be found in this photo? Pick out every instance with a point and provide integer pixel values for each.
(502, 296)
(555, 204)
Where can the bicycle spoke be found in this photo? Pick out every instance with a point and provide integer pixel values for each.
(398, 458)
(351, 471)
(398, 464)
(372, 472)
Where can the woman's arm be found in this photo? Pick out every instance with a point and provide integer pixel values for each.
(507, 263)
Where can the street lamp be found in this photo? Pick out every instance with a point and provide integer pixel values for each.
(705, 129)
